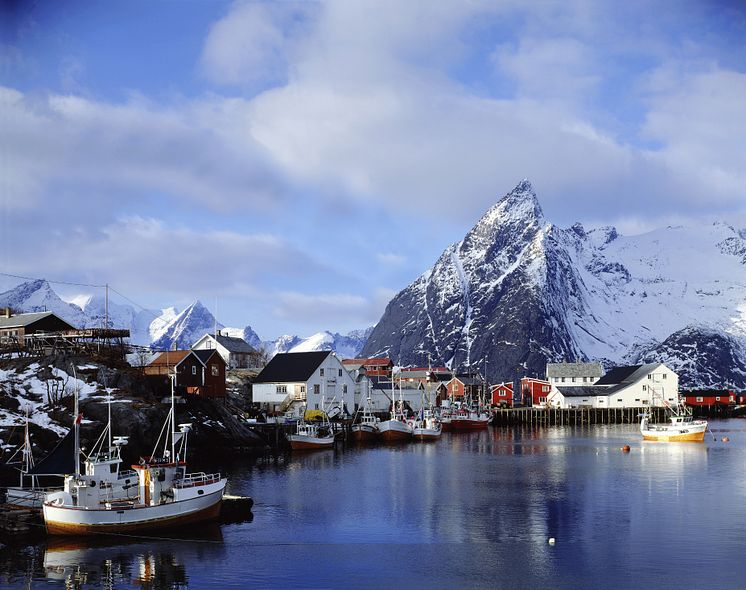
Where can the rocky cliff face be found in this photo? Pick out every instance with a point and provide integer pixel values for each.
(518, 292)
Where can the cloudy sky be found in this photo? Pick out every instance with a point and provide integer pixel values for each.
(300, 162)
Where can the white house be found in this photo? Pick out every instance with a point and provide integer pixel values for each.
(622, 387)
(574, 374)
(236, 352)
(296, 381)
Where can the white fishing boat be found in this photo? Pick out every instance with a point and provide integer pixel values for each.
(364, 428)
(465, 417)
(681, 428)
(166, 494)
(311, 435)
(396, 428)
(427, 426)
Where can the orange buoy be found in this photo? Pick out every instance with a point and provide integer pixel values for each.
(625, 449)
(726, 439)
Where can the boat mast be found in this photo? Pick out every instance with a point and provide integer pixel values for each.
(173, 424)
(76, 426)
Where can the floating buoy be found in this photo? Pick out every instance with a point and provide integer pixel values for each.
(625, 449)
(551, 540)
(726, 439)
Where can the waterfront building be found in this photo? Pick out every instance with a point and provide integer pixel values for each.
(375, 367)
(502, 394)
(382, 393)
(623, 387)
(462, 386)
(536, 392)
(236, 352)
(709, 398)
(295, 381)
(15, 328)
(574, 374)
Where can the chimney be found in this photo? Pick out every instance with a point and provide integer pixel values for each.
(6, 312)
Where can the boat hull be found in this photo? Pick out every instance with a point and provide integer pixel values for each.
(363, 433)
(686, 432)
(468, 424)
(395, 431)
(301, 442)
(426, 434)
(68, 520)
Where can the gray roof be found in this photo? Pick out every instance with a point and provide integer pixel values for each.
(23, 319)
(574, 370)
(586, 391)
(235, 344)
(627, 375)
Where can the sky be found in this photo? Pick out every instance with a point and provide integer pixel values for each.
(293, 165)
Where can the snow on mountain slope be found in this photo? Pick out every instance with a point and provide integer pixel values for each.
(38, 295)
(518, 291)
(187, 327)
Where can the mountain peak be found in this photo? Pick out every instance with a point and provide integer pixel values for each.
(521, 201)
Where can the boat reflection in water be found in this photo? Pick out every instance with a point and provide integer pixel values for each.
(108, 562)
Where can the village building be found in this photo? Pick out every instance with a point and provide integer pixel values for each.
(414, 395)
(535, 392)
(15, 328)
(622, 387)
(502, 395)
(468, 387)
(375, 367)
(236, 352)
(710, 398)
(574, 374)
(296, 381)
(423, 374)
(195, 372)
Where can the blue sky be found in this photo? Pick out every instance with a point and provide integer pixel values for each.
(300, 162)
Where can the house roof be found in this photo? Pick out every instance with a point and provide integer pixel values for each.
(468, 380)
(291, 367)
(170, 358)
(24, 319)
(205, 355)
(574, 370)
(509, 385)
(234, 344)
(587, 391)
(707, 392)
(628, 374)
(378, 362)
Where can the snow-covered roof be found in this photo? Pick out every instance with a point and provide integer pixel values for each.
(22, 319)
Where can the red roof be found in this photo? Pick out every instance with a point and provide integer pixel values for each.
(432, 369)
(381, 362)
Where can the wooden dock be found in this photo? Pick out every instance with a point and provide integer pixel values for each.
(574, 416)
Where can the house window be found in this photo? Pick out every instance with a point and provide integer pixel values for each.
(344, 388)
(585, 379)
(644, 402)
(542, 400)
(699, 399)
(340, 372)
(650, 376)
(664, 375)
(303, 389)
(454, 388)
(545, 388)
(619, 400)
(282, 389)
(563, 379)
(321, 373)
(316, 406)
(194, 370)
(317, 389)
(215, 370)
(209, 345)
(644, 387)
(638, 399)
(573, 379)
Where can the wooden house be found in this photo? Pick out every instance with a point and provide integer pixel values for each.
(196, 372)
(461, 387)
(236, 352)
(375, 367)
(502, 395)
(535, 392)
(709, 398)
(574, 374)
(14, 328)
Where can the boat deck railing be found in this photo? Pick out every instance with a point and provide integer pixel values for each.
(197, 479)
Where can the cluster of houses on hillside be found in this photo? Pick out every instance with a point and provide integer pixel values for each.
(292, 382)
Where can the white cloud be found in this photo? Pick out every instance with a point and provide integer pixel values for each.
(391, 259)
(332, 308)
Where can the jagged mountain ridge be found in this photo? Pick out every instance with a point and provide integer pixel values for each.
(162, 329)
(518, 291)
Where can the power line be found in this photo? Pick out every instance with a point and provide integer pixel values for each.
(6, 274)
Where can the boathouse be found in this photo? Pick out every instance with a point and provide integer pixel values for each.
(632, 386)
(536, 392)
(574, 374)
(502, 395)
(709, 398)
(296, 381)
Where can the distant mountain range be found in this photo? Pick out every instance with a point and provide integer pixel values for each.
(518, 292)
(163, 328)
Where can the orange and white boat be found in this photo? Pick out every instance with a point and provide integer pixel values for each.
(166, 494)
(310, 436)
(465, 418)
(682, 428)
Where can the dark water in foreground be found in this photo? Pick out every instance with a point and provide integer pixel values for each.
(473, 510)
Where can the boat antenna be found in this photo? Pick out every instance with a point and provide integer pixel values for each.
(76, 425)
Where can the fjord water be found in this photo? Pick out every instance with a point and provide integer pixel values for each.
(473, 510)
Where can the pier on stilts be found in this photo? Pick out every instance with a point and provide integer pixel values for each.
(575, 416)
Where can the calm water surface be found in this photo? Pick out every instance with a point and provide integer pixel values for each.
(474, 510)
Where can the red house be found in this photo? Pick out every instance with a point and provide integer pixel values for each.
(709, 398)
(535, 392)
(502, 395)
(197, 372)
(377, 367)
(460, 387)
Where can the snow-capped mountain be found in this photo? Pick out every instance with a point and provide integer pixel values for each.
(87, 311)
(186, 328)
(348, 346)
(518, 291)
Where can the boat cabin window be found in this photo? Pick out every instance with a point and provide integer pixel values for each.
(113, 468)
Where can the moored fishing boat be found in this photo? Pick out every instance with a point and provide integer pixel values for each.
(166, 494)
(681, 428)
(365, 428)
(426, 426)
(466, 418)
(396, 428)
(309, 436)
